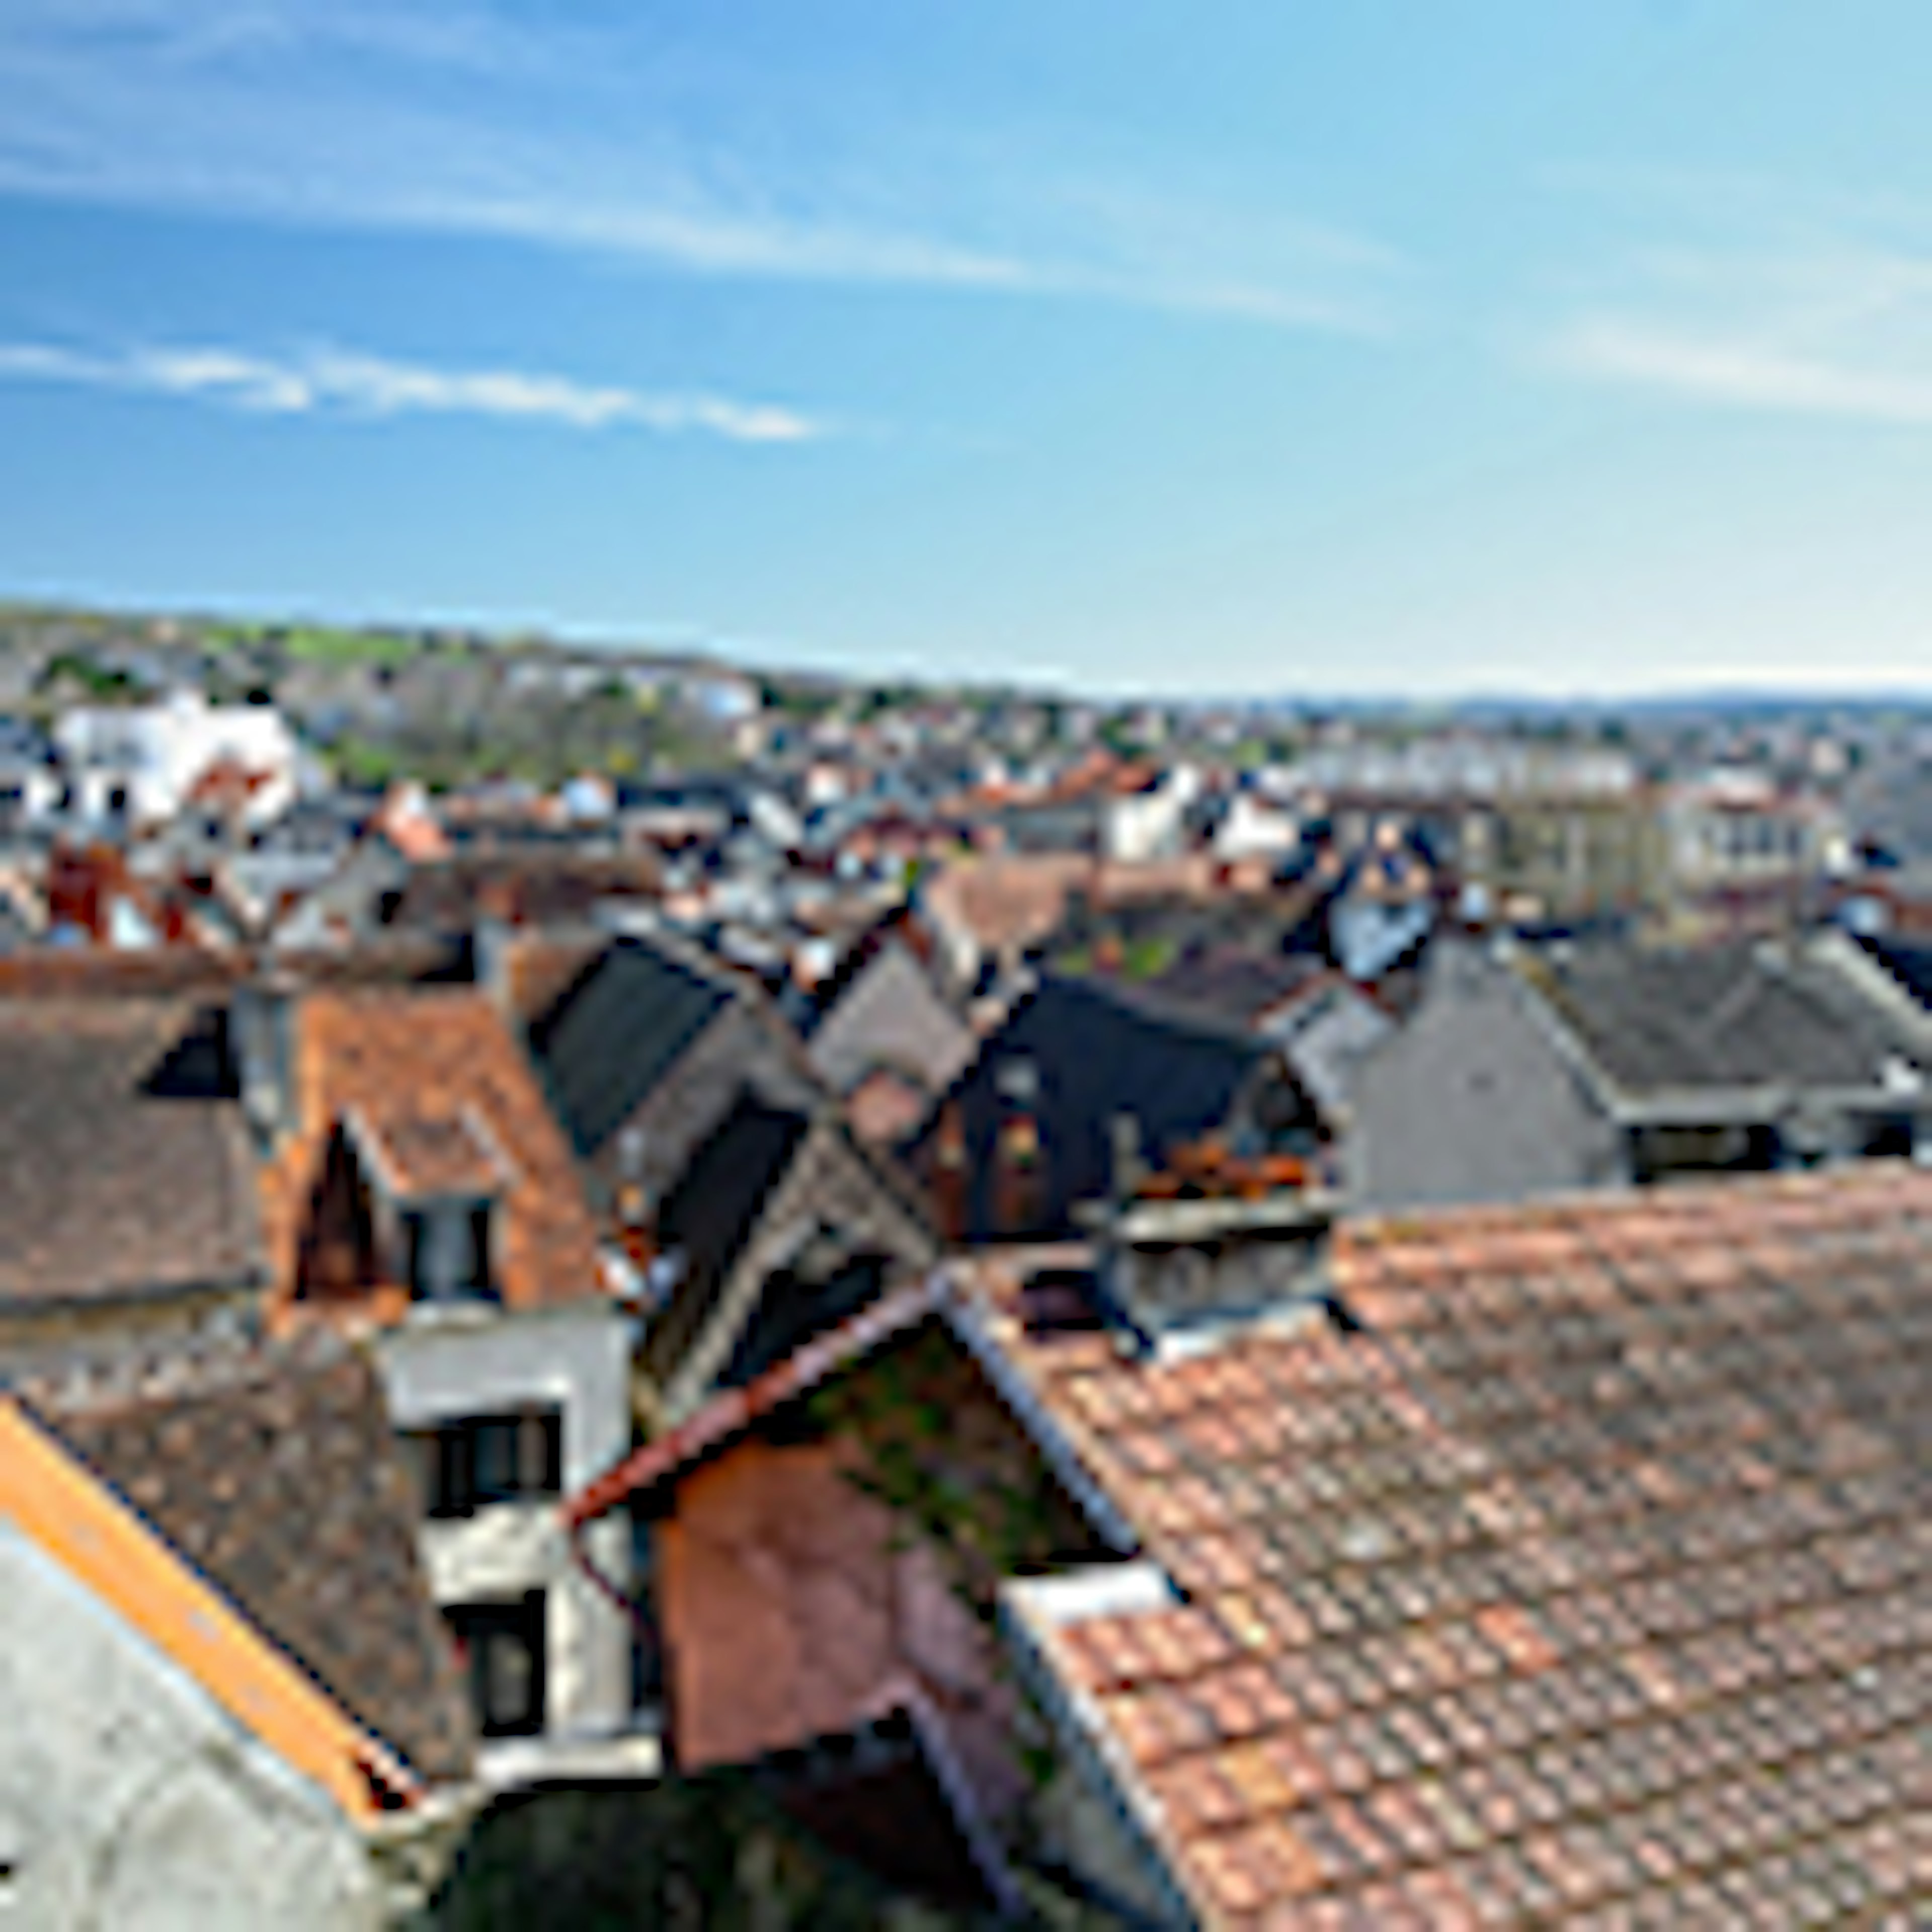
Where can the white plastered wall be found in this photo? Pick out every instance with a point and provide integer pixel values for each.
(131, 1801)
(462, 1363)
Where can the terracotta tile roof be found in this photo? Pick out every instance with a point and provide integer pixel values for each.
(407, 1062)
(124, 1164)
(274, 1471)
(1589, 1580)
(1018, 900)
(423, 1155)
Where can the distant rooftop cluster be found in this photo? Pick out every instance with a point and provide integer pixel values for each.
(972, 1304)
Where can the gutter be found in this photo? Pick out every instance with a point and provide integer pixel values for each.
(251, 1280)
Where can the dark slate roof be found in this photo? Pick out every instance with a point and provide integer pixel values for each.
(1235, 984)
(1911, 966)
(1720, 1017)
(125, 1166)
(618, 1029)
(1585, 1579)
(714, 1207)
(274, 1471)
(1094, 1054)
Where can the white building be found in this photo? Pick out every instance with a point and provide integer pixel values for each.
(142, 764)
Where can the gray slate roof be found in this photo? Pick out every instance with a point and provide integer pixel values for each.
(125, 1166)
(618, 1030)
(1721, 1017)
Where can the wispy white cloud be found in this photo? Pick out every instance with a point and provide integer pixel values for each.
(331, 381)
(1803, 302)
(448, 116)
(1739, 373)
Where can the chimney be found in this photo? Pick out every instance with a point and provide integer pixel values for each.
(493, 940)
(261, 1029)
(1221, 1246)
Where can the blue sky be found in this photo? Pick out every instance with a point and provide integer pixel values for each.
(1425, 346)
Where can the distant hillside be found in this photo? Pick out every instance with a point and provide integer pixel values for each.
(442, 703)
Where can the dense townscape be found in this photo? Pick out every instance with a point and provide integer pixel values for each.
(636, 1292)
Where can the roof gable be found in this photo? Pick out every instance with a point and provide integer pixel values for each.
(618, 1030)
(770, 1220)
(1910, 965)
(434, 1075)
(1092, 1056)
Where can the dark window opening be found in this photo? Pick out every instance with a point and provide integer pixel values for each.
(479, 1459)
(1061, 1300)
(1662, 1151)
(501, 1646)
(448, 1252)
(1893, 1139)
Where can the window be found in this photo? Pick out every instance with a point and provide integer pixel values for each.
(448, 1249)
(1892, 1139)
(1662, 1151)
(514, 1457)
(501, 1645)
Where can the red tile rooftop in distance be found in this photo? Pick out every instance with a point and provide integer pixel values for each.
(1591, 1584)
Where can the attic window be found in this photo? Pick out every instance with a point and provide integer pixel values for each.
(448, 1244)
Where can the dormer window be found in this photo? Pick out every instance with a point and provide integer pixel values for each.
(441, 1180)
(448, 1244)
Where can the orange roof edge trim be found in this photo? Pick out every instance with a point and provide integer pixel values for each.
(78, 1521)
